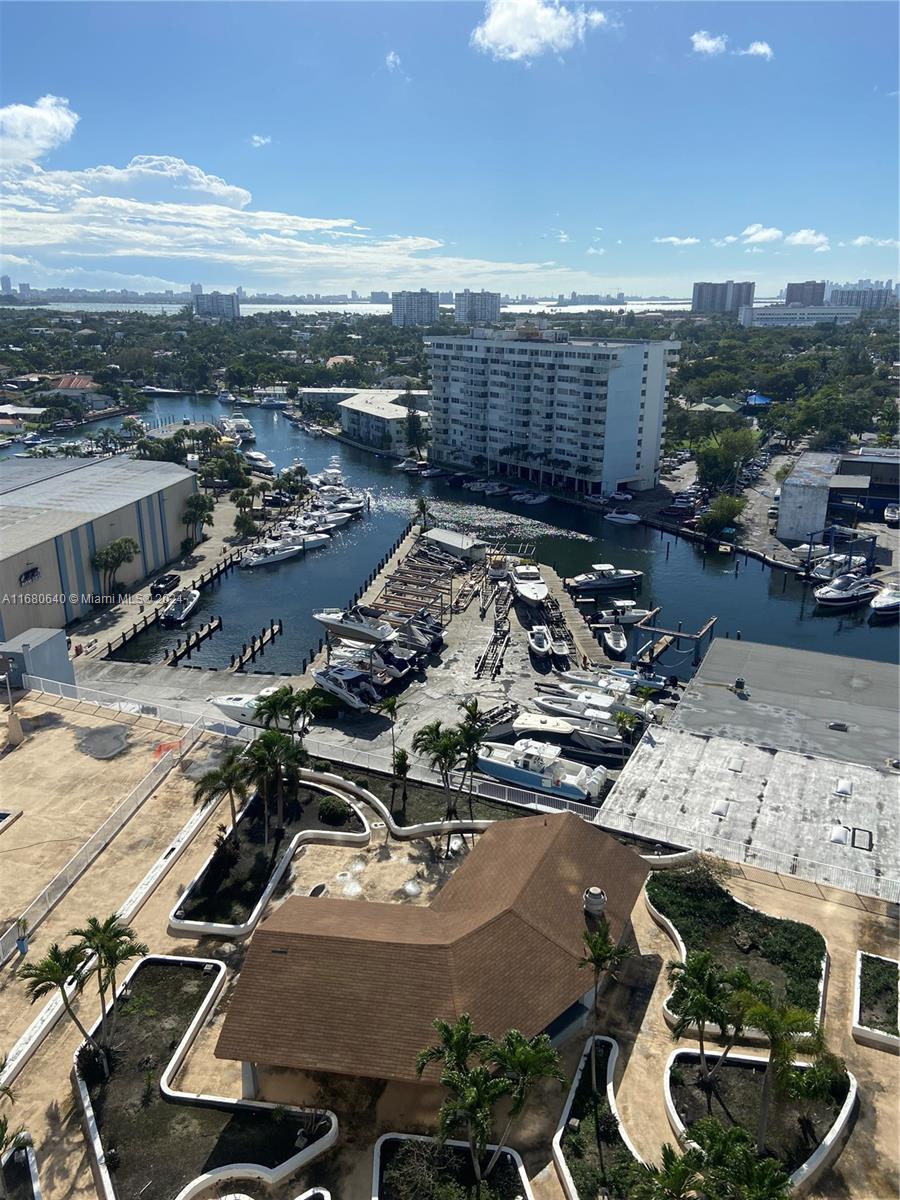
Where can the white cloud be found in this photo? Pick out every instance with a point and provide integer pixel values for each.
(808, 237)
(865, 240)
(704, 42)
(758, 50)
(727, 240)
(676, 241)
(595, 250)
(760, 233)
(561, 236)
(29, 131)
(754, 250)
(520, 30)
(259, 139)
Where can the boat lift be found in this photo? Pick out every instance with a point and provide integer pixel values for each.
(863, 546)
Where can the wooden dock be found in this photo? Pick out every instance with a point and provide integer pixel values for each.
(257, 646)
(185, 649)
(586, 645)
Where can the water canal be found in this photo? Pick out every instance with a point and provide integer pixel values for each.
(763, 605)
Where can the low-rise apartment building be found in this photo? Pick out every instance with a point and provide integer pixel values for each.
(532, 403)
(377, 418)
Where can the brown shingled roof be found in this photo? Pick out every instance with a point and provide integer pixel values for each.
(353, 987)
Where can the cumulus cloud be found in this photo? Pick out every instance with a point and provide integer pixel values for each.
(595, 250)
(259, 139)
(728, 240)
(521, 30)
(704, 42)
(754, 250)
(392, 60)
(808, 237)
(758, 50)
(756, 233)
(561, 236)
(676, 241)
(29, 131)
(864, 239)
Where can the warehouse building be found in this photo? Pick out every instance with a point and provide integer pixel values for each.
(55, 514)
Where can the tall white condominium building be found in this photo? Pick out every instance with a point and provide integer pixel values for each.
(224, 305)
(867, 298)
(530, 402)
(414, 308)
(477, 308)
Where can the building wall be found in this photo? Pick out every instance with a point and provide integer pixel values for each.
(46, 658)
(802, 509)
(66, 579)
(378, 431)
(780, 315)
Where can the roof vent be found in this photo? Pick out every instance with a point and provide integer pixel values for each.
(720, 808)
(843, 787)
(735, 764)
(595, 901)
(839, 835)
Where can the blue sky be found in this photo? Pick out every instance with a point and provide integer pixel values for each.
(528, 145)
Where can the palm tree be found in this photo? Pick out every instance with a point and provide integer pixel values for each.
(229, 779)
(676, 1178)
(263, 766)
(470, 731)
(789, 1029)
(730, 1166)
(389, 707)
(108, 944)
(9, 1140)
(272, 709)
(457, 1045)
(522, 1061)
(424, 515)
(6, 1092)
(603, 957)
(400, 763)
(471, 1097)
(301, 707)
(121, 947)
(60, 967)
(441, 746)
(699, 997)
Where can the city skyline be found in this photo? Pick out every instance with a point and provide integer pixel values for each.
(708, 168)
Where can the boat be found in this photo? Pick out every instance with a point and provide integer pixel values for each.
(353, 686)
(259, 462)
(496, 489)
(833, 565)
(578, 737)
(409, 464)
(643, 677)
(241, 707)
(602, 706)
(615, 643)
(539, 498)
(304, 539)
(847, 591)
(180, 607)
(527, 585)
(225, 398)
(539, 641)
(605, 577)
(274, 402)
(559, 647)
(431, 472)
(886, 603)
(268, 553)
(520, 497)
(243, 428)
(477, 485)
(808, 551)
(355, 625)
(892, 514)
(541, 767)
(625, 612)
(621, 516)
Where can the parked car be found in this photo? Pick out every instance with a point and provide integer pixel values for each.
(165, 584)
(620, 496)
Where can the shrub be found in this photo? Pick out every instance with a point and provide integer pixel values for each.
(334, 811)
(587, 1178)
(878, 993)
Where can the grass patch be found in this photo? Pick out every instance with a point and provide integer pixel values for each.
(425, 803)
(155, 1148)
(795, 1130)
(426, 1171)
(786, 953)
(229, 889)
(878, 989)
(595, 1153)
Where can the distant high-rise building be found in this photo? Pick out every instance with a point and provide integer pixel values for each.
(810, 292)
(25, 290)
(239, 292)
(415, 308)
(865, 297)
(379, 297)
(196, 289)
(477, 308)
(725, 297)
(445, 297)
(5, 285)
(225, 305)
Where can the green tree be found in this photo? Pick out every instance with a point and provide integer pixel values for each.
(110, 558)
(471, 1097)
(10, 1140)
(523, 1062)
(400, 764)
(229, 779)
(111, 943)
(60, 968)
(456, 1046)
(244, 525)
(441, 746)
(301, 708)
(389, 707)
(699, 998)
(198, 511)
(603, 958)
(424, 515)
(789, 1030)
(417, 436)
(470, 733)
(724, 512)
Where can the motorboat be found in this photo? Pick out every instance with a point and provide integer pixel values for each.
(807, 551)
(266, 554)
(354, 687)
(886, 603)
(605, 577)
(224, 398)
(833, 565)
(615, 643)
(892, 514)
(259, 462)
(499, 567)
(306, 540)
(625, 612)
(541, 767)
(496, 489)
(180, 607)
(520, 497)
(431, 472)
(538, 498)
(600, 706)
(847, 591)
(621, 516)
(243, 428)
(355, 625)
(578, 737)
(643, 677)
(322, 519)
(559, 647)
(606, 684)
(477, 485)
(409, 465)
(389, 659)
(241, 707)
(527, 585)
(539, 641)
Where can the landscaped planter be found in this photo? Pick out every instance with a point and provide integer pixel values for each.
(829, 1148)
(519, 1181)
(190, 1124)
(558, 1145)
(872, 1025)
(754, 1036)
(20, 1173)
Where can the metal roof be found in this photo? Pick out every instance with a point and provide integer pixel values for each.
(42, 499)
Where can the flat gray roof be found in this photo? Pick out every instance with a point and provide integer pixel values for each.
(42, 499)
(814, 466)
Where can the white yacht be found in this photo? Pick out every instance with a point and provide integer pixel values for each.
(539, 641)
(807, 551)
(306, 540)
(615, 642)
(886, 603)
(225, 398)
(180, 607)
(623, 612)
(352, 686)
(621, 516)
(605, 577)
(351, 623)
(243, 428)
(267, 553)
(242, 707)
(833, 565)
(540, 766)
(847, 591)
(528, 586)
(259, 462)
